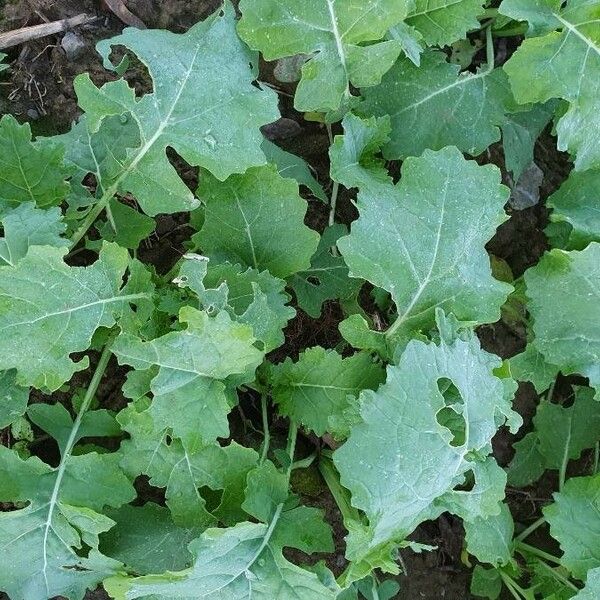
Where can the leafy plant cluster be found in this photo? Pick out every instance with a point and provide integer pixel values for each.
(408, 407)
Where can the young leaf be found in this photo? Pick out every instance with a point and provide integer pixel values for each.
(520, 132)
(563, 64)
(567, 333)
(31, 172)
(433, 106)
(489, 538)
(576, 204)
(444, 21)
(252, 297)
(3, 66)
(50, 310)
(290, 165)
(327, 277)
(574, 523)
(331, 31)
(189, 392)
(353, 156)
(531, 366)
(204, 106)
(428, 248)
(26, 226)
(315, 390)
(257, 220)
(560, 434)
(421, 432)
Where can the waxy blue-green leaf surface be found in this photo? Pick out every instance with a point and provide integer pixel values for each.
(423, 240)
(331, 31)
(49, 310)
(433, 105)
(189, 389)
(442, 22)
(567, 333)
(203, 105)
(256, 220)
(563, 62)
(401, 464)
(31, 172)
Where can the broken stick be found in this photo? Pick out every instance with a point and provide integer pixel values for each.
(25, 34)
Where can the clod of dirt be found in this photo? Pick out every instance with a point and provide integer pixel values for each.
(73, 45)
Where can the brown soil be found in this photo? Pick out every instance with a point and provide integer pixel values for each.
(39, 89)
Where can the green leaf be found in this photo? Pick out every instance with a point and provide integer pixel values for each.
(331, 32)
(442, 22)
(315, 390)
(252, 297)
(567, 333)
(266, 489)
(204, 106)
(256, 219)
(563, 64)
(327, 277)
(13, 398)
(528, 463)
(574, 522)
(520, 132)
(50, 310)
(591, 591)
(416, 252)
(421, 434)
(539, 13)
(560, 434)
(31, 172)
(531, 366)
(3, 67)
(433, 106)
(486, 583)
(151, 452)
(565, 432)
(26, 226)
(146, 539)
(126, 226)
(353, 156)
(43, 541)
(489, 538)
(240, 562)
(189, 389)
(576, 203)
(290, 165)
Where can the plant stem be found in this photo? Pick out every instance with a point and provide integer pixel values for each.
(333, 202)
(266, 432)
(527, 532)
(537, 552)
(509, 582)
(559, 576)
(305, 462)
(489, 48)
(330, 475)
(291, 447)
(488, 13)
(596, 457)
(66, 452)
(510, 32)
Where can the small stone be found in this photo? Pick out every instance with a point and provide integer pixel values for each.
(73, 45)
(33, 114)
